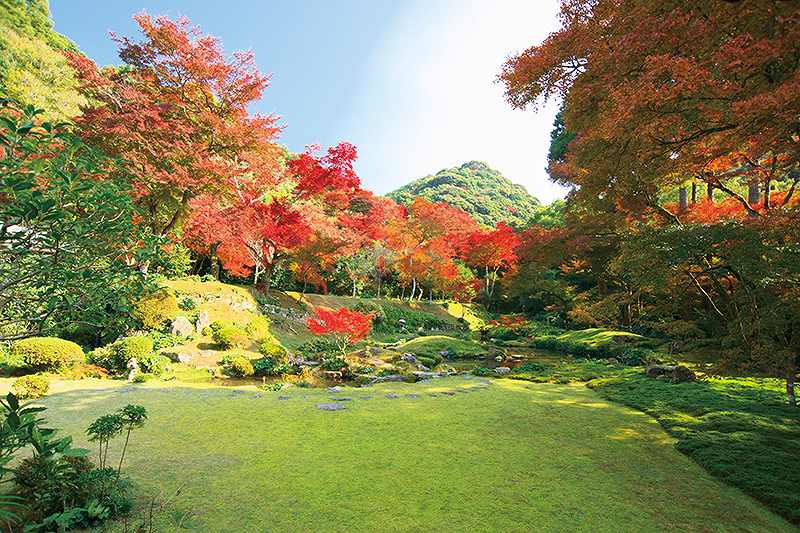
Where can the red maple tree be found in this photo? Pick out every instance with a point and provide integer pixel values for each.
(344, 325)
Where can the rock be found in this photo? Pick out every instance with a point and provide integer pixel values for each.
(181, 327)
(420, 375)
(330, 406)
(384, 379)
(498, 358)
(502, 370)
(423, 368)
(444, 353)
(682, 373)
(674, 374)
(341, 399)
(133, 368)
(409, 358)
(335, 389)
(202, 322)
(184, 358)
(392, 396)
(658, 370)
(612, 361)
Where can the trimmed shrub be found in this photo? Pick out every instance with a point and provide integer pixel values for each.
(164, 340)
(263, 367)
(115, 357)
(155, 364)
(156, 310)
(318, 345)
(271, 348)
(229, 336)
(47, 353)
(481, 371)
(31, 387)
(378, 314)
(238, 366)
(258, 327)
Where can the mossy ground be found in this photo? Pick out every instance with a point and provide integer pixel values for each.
(512, 456)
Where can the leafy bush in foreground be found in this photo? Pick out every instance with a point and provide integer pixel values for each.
(47, 353)
(155, 310)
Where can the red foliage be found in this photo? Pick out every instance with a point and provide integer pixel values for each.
(344, 322)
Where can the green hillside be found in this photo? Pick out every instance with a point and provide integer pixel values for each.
(33, 68)
(476, 188)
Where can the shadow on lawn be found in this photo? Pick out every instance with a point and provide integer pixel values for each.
(740, 430)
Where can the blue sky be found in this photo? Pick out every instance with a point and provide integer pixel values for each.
(410, 83)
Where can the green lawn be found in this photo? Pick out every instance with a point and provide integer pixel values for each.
(511, 456)
(431, 345)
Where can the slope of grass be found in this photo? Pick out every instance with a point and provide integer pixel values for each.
(513, 456)
(598, 336)
(739, 429)
(433, 344)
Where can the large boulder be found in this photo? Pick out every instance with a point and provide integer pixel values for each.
(409, 358)
(674, 374)
(392, 377)
(502, 370)
(181, 327)
(202, 322)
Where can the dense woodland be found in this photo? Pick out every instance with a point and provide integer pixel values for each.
(678, 140)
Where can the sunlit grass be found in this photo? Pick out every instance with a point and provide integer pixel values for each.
(513, 456)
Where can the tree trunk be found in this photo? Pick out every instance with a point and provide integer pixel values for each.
(753, 195)
(215, 261)
(790, 388)
(683, 203)
(268, 277)
(403, 293)
(354, 288)
(767, 187)
(694, 193)
(256, 272)
(413, 289)
(710, 192)
(430, 295)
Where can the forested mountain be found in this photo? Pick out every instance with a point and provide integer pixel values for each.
(33, 68)
(476, 188)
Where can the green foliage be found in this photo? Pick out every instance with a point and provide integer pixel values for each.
(318, 345)
(264, 366)
(187, 304)
(164, 340)
(157, 309)
(560, 137)
(174, 263)
(375, 309)
(334, 364)
(47, 353)
(272, 349)
(628, 355)
(271, 387)
(22, 428)
(70, 492)
(477, 189)
(397, 319)
(155, 364)
(31, 387)
(740, 430)
(238, 365)
(258, 327)
(33, 68)
(481, 371)
(531, 366)
(60, 194)
(228, 336)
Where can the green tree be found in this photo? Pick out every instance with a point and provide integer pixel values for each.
(68, 238)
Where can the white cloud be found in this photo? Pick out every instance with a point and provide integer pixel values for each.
(428, 100)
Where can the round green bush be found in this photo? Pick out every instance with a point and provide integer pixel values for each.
(47, 353)
(155, 364)
(156, 310)
(31, 387)
(228, 337)
(264, 366)
(238, 366)
(272, 349)
(258, 327)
